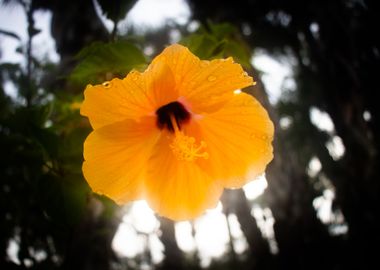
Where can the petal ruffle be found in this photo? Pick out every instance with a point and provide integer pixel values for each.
(203, 83)
(181, 61)
(137, 95)
(178, 189)
(115, 158)
(116, 100)
(238, 138)
(161, 87)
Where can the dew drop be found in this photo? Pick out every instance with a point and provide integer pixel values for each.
(248, 102)
(106, 84)
(244, 74)
(211, 78)
(204, 64)
(134, 75)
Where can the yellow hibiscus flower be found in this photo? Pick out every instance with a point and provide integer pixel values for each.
(176, 134)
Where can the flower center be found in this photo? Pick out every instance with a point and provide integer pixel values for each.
(174, 108)
(172, 116)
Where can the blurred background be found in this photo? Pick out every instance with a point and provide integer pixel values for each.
(317, 65)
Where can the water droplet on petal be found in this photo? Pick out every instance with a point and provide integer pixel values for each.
(211, 78)
(106, 84)
(134, 75)
(244, 74)
(204, 64)
(248, 102)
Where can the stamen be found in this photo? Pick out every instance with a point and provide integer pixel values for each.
(184, 147)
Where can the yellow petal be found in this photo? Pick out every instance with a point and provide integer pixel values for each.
(138, 95)
(178, 189)
(181, 61)
(116, 156)
(203, 83)
(161, 87)
(116, 100)
(238, 138)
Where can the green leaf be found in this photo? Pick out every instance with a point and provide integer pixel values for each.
(203, 45)
(219, 40)
(222, 30)
(240, 51)
(101, 61)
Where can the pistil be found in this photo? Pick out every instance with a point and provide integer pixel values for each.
(184, 147)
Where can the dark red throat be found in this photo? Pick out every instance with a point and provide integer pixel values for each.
(176, 109)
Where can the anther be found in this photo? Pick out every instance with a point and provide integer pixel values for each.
(184, 147)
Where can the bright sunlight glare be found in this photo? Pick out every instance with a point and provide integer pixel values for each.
(239, 241)
(184, 236)
(314, 167)
(255, 188)
(142, 218)
(147, 14)
(321, 120)
(276, 75)
(335, 147)
(127, 242)
(13, 19)
(211, 235)
(153, 13)
(137, 231)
